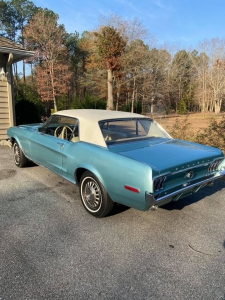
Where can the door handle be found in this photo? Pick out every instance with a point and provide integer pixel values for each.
(61, 144)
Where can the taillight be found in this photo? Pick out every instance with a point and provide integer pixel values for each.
(214, 165)
(158, 183)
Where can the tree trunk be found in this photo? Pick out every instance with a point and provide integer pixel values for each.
(110, 91)
(217, 106)
(117, 100)
(53, 88)
(133, 96)
(24, 70)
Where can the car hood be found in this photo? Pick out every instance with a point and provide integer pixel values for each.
(166, 155)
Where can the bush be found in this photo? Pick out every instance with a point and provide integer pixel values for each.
(182, 130)
(88, 103)
(213, 135)
(181, 107)
(137, 107)
(27, 112)
(28, 106)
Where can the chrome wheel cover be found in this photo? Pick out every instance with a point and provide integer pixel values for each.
(16, 154)
(91, 194)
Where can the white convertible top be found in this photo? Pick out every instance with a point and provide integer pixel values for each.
(89, 130)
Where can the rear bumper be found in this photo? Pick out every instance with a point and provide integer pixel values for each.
(159, 201)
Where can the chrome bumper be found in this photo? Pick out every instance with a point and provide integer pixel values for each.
(154, 202)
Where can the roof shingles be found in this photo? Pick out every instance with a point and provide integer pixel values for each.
(6, 43)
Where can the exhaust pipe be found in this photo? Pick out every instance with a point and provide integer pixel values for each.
(211, 183)
(154, 207)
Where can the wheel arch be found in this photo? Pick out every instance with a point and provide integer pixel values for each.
(14, 139)
(83, 168)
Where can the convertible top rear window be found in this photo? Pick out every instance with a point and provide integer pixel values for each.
(126, 129)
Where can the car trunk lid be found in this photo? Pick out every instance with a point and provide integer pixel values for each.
(166, 155)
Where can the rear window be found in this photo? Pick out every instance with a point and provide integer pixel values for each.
(125, 129)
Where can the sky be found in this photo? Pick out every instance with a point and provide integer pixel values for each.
(182, 22)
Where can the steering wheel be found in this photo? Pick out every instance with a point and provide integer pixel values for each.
(62, 133)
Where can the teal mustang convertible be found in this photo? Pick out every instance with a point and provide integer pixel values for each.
(117, 157)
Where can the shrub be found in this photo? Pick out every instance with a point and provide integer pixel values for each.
(27, 112)
(88, 102)
(137, 107)
(28, 106)
(182, 130)
(213, 135)
(181, 107)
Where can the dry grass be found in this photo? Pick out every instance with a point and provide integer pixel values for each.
(208, 129)
(197, 121)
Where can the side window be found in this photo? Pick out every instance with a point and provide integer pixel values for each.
(62, 127)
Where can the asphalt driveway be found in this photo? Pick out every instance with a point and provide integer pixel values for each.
(50, 248)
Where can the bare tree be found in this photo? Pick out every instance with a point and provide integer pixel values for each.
(214, 75)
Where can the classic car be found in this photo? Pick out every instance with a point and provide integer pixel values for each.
(117, 157)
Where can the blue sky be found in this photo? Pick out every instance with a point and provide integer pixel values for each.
(183, 22)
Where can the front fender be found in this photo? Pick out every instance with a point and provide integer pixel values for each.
(22, 137)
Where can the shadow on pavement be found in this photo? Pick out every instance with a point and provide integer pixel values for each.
(118, 208)
(205, 192)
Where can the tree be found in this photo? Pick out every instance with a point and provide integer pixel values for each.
(201, 64)
(47, 39)
(214, 73)
(135, 63)
(8, 22)
(180, 73)
(14, 16)
(110, 46)
(129, 30)
(77, 56)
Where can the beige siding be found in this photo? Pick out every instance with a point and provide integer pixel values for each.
(4, 110)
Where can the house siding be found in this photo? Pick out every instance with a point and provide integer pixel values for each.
(4, 110)
(9, 53)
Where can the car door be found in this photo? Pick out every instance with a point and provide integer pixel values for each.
(70, 154)
(47, 143)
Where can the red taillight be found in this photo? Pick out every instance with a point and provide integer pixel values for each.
(132, 189)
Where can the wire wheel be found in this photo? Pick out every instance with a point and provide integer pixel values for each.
(91, 194)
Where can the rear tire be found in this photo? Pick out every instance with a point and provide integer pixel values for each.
(94, 197)
(19, 158)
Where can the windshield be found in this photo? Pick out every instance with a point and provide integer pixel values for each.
(126, 129)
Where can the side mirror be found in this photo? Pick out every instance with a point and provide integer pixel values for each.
(42, 129)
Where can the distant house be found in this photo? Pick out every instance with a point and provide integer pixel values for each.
(9, 53)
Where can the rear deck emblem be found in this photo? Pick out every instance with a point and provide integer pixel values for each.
(190, 174)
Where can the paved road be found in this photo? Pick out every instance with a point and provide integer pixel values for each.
(50, 248)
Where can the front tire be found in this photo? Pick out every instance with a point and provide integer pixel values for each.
(19, 158)
(94, 197)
